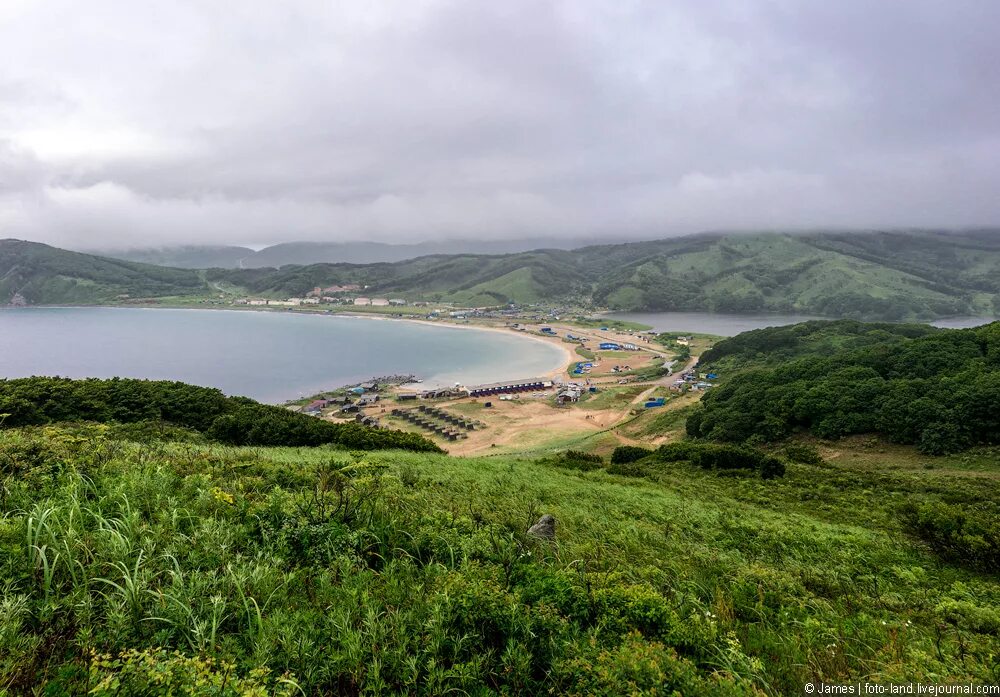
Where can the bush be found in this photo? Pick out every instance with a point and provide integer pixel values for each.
(957, 533)
(803, 453)
(676, 452)
(629, 453)
(151, 408)
(722, 457)
(639, 468)
(639, 667)
(577, 460)
(157, 672)
(942, 439)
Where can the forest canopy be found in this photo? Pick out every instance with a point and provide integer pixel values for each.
(229, 420)
(936, 388)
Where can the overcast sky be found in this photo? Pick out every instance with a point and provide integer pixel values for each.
(254, 121)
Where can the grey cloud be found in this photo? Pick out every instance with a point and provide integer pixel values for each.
(152, 123)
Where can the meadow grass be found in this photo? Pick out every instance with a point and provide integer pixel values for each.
(127, 567)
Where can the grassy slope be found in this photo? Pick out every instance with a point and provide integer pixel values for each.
(882, 275)
(805, 578)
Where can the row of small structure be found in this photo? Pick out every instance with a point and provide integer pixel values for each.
(429, 418)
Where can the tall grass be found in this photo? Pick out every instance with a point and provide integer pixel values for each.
(318, 571)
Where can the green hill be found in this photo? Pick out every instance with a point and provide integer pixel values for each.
(874, 275)
(936, 388)
(878, 275)
(41, 274)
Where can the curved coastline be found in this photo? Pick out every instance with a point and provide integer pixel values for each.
(558, 363)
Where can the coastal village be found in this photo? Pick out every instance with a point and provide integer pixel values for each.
(616, 381)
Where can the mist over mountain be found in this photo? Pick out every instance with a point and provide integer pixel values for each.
(182, 256)
(303, 253)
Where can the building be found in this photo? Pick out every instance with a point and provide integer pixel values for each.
(609, 346)
(367, 420)
(362, 301)
(569, 393)
(380, 302)
(396, 301)
(510, 387)
(310, 301)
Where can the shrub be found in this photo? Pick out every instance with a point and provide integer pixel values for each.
(722, 457)
(942, 439)
(676, 452)
(577, 460)
(803, 453)
(151, 407)
(629, 453)
(639, 667)
(958, 533)
(159, 672)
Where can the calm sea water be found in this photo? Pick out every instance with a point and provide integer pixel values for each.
(270, 356)
(731, 325)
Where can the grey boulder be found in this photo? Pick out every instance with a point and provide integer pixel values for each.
(544, 529)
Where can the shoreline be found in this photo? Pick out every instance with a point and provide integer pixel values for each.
(568, 357)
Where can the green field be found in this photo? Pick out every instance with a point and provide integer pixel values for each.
(318, 570)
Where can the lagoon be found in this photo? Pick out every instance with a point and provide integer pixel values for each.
(270, 356)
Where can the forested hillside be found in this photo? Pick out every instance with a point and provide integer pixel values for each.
(148, 405)
(876, 275)
(938, 389)
(46, 275)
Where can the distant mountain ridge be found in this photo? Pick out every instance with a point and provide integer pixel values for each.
(182, 256)
(886, 275)
(303, 253)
